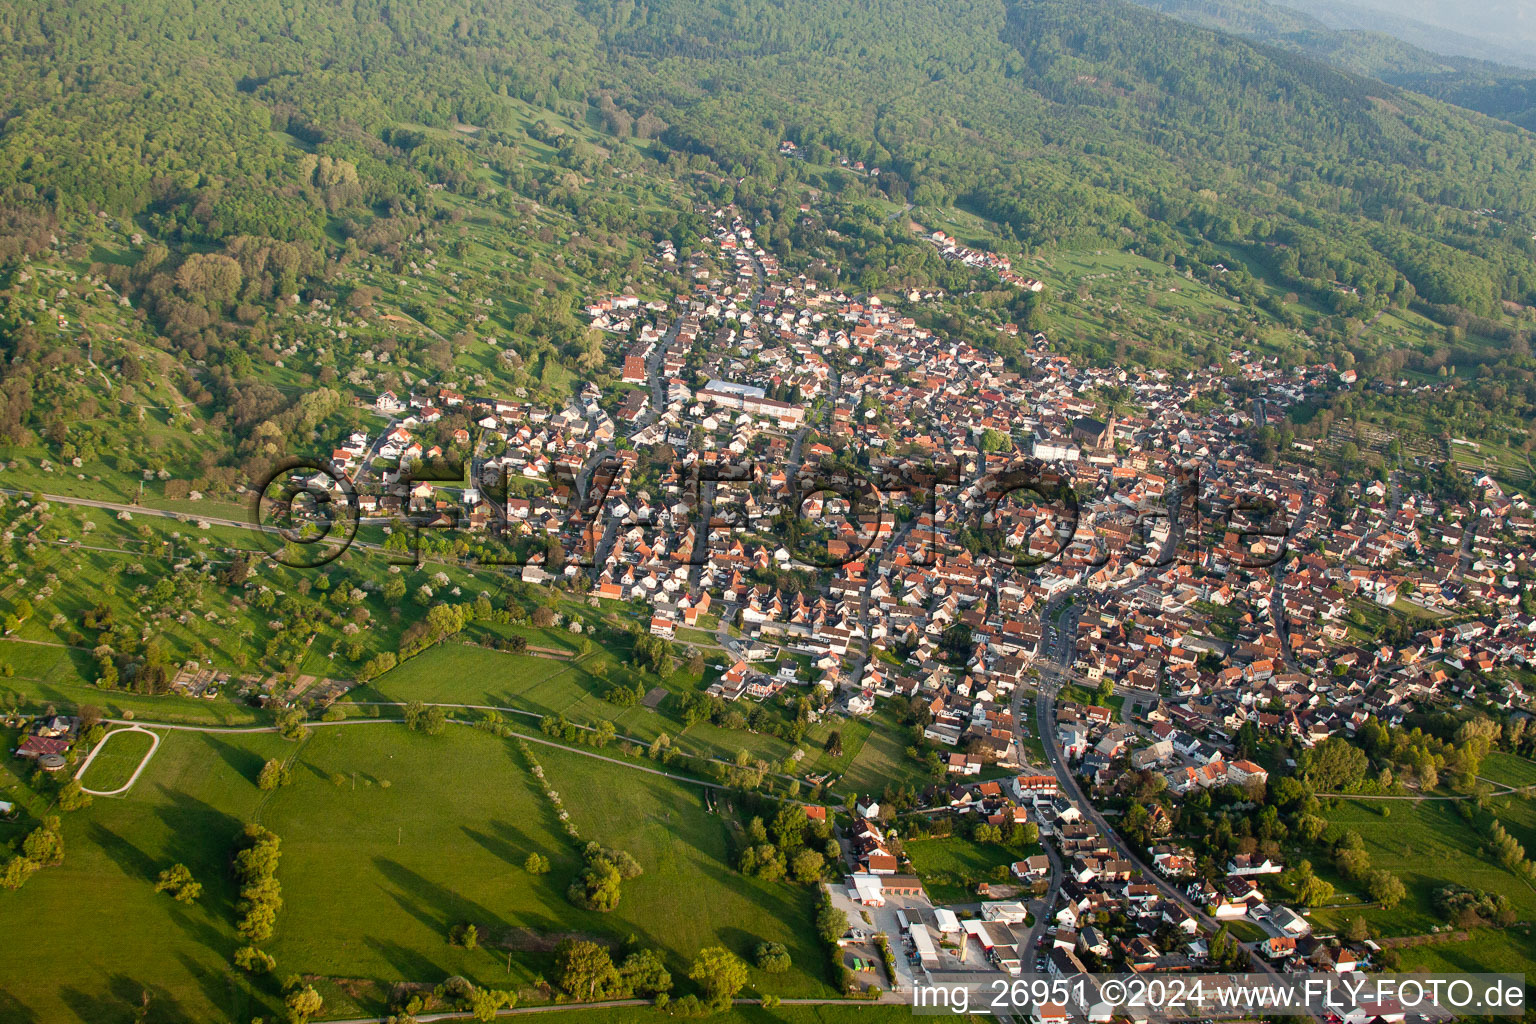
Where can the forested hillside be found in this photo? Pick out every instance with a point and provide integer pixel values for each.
(215, 164)
(1461, 40)
(1058, 117)
(1373, 53)
(1066, 118)
(1498, 90)
(1509, 23)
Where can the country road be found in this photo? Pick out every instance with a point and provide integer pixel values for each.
(230, 729)
(886, 998)
(1500, 789)
(113, 506)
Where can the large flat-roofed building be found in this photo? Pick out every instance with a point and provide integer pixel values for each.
(751, 399)
(726, 392)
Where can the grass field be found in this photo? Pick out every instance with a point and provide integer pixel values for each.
(466, 674)
(1245, 930)
(1508, 769)
(423, 833)
(123, 938)
(853, 1014)
(1428, 845)
(1489, 950)
(117, 759)
(874, 749)
(460, 673)
(882, 759)
(390, 838)
(951, 867)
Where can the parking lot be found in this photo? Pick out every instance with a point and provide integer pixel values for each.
(866, 922)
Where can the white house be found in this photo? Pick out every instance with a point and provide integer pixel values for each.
(1031, 868)
(1245, 864)
(1055, 451)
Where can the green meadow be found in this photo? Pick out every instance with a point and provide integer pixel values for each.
(118, 757)
(874, 749)
(390, 838)
(950, 867)
(1430, 846)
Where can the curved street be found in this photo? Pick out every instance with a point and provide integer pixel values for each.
(1058, 645)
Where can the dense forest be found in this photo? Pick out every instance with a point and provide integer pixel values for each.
(258, 155)
(1059, 118)
(1499, 90)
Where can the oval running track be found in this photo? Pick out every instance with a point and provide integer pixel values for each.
(154, 744)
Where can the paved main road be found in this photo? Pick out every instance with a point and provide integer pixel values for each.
(1045, 705)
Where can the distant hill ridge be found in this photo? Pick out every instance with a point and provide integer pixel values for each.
(1460, 69)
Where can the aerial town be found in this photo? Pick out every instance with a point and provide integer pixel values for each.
(1067, 655)
(767, 511)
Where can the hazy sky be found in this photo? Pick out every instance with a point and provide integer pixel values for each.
(1500, 20)
(1500, 30)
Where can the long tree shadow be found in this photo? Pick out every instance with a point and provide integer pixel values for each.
(770, 902)
(14, 1010)
(223, 989)
(91, 1006)
(499, 847)
(246, 763)
(202, 837)
(411, 965)
(514, 836)
(133, 861)
(125, 999)
(200, 931)
(132, 992)
(440, 907)
(739, 941)
(416, 909)
(314, 769)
